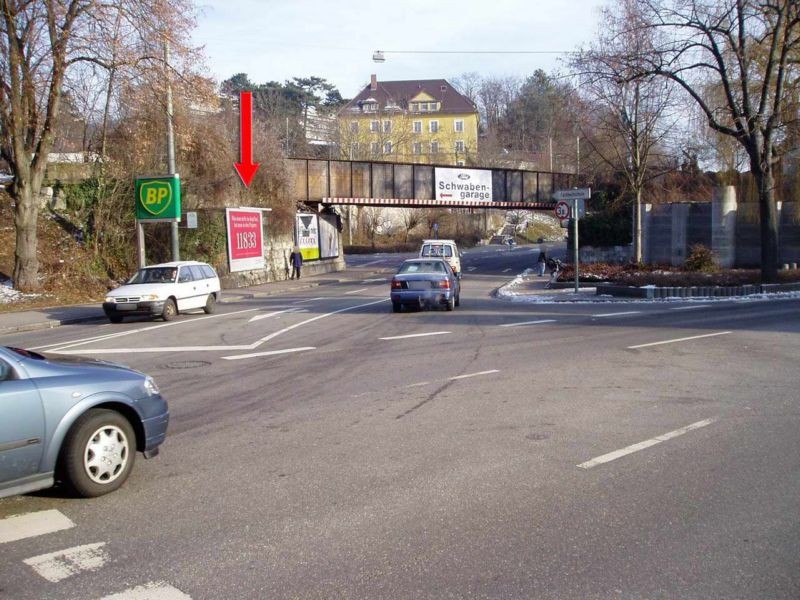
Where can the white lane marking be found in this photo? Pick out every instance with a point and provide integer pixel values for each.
(690, 307)
(471, 268)
(684, 339)
(414, 335)
(252, 346)
(156, 590)
(528, 323)
(478, 374)
(66, 563)
(28, 525)
(619, 314)
(373, 262)
(642, 445)
(506, 270)
(357, 291)
(269, 353)
(374, 280)
(317, 318)
(273, 314)
(108, 336)
(420, 384)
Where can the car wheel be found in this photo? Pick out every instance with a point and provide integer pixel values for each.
(98, 453)
(115, 319)
(211, 304)
(396, 307)
(458, 299)
(451, 304)
(170, 310)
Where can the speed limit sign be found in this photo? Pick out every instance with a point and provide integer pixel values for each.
(562, 210)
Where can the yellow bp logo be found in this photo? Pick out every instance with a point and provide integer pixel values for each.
(155, 196)
(158, 198)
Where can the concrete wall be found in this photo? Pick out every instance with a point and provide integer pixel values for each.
(730, 229)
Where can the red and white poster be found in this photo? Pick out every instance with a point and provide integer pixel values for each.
(245, 239)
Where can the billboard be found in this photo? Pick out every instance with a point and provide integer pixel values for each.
(463, 185)
(328, 236)
(307, 235)
(158, 198)
(245, 239)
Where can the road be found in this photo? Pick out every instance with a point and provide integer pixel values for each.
(322, 447)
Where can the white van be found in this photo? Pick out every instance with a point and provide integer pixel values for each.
(165, 290)
(445, 249)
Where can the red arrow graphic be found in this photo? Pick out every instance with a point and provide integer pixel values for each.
(246, 168)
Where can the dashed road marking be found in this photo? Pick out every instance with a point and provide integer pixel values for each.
(374, 280)
(619, 314)
(683, 339)
(528, 323)
(157, 590)
(690, 307)
(357, 291)
(275, 314)
(28, 525)
(506, 270)
(414, 335)
(268, 353)
(66, 563)
(478, 374)
(642, 445)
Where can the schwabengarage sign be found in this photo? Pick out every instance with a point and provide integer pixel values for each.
(463, 185)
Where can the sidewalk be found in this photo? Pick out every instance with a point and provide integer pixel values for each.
(48, 318)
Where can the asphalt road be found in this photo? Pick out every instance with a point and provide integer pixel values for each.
(322, 447)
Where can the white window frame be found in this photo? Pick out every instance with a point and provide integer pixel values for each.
(417, 126)
(375, 148)
(458, 125)
(459, 146)
(416, 148)
(434, 147)
(387, 126)
(387, 147)
(433, 126)
(375, 126)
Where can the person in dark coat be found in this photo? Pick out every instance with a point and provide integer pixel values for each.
(541, 262)
(296, 261)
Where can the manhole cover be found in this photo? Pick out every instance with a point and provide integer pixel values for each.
(188, 364)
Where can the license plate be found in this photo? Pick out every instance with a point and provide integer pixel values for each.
(419, 285)
(126, 306)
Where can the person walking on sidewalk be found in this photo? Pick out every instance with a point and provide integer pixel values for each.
(541, 262)
(296, 260)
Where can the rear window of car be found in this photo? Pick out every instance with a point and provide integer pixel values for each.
(423, 267)
(208, 271)
(197, 272)
(437, 250)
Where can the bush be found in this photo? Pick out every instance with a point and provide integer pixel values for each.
(607, 228)
(700, 259)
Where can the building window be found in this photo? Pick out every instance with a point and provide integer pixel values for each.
(374, 126)
(371, 107)
(458, 125)
(459, 163)
(416, 148)
(459, 146)
(433, 106)
(433, 126)
(417, 126)
(354, 150)
(375, 148)
(434, 147)
(387, 148)
(354, 127)
(387, 127)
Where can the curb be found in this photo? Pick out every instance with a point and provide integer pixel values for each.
(703, 291)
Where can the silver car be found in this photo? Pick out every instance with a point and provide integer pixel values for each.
(421, 282)
(74, 420)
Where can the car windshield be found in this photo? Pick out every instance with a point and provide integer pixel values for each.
(154, 275)
(422, 267)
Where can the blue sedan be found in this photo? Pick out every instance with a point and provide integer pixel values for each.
(74, 420)
(424, 282)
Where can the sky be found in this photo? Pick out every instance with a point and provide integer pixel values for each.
(277, 40)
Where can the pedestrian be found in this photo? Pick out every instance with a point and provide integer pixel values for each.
(541, 262)
(296, 260)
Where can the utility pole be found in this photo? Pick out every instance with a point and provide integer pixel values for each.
(176, 251)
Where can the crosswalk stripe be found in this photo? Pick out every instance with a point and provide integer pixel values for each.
(157, 590)
(28, 525)
(66, 563)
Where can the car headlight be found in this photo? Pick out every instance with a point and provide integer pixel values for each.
(150, 386)
(150, 297)
(110, 299)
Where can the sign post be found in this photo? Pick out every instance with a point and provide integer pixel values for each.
(576, 195)
(158, 200)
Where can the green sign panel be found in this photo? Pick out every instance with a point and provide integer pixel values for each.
(158, 198)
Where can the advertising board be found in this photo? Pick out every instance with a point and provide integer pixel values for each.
(245, 239)
(463, 185)
(308, 235)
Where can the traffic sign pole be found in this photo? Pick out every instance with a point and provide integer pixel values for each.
(575, 238)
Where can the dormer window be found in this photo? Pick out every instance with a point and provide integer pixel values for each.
(370, 105)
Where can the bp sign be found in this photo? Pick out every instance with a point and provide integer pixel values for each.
(158, 198)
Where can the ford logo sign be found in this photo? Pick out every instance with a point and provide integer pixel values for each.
(463, 176)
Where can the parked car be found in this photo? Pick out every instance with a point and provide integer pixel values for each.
(165, 290)
(446, 249)
(75, 420)
(421, 282)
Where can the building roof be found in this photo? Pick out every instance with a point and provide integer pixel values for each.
(397, 94)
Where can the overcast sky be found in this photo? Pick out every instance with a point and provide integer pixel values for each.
(272, 40)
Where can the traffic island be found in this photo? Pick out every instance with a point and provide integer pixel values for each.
(651, 292)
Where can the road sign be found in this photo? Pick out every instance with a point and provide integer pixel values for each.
(562, 210)
(576, 194)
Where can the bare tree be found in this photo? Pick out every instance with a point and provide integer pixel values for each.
(631, 120)
(41, 42)
(411, 217)
(748, 47)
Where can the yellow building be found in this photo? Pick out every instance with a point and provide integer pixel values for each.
(426, 121)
